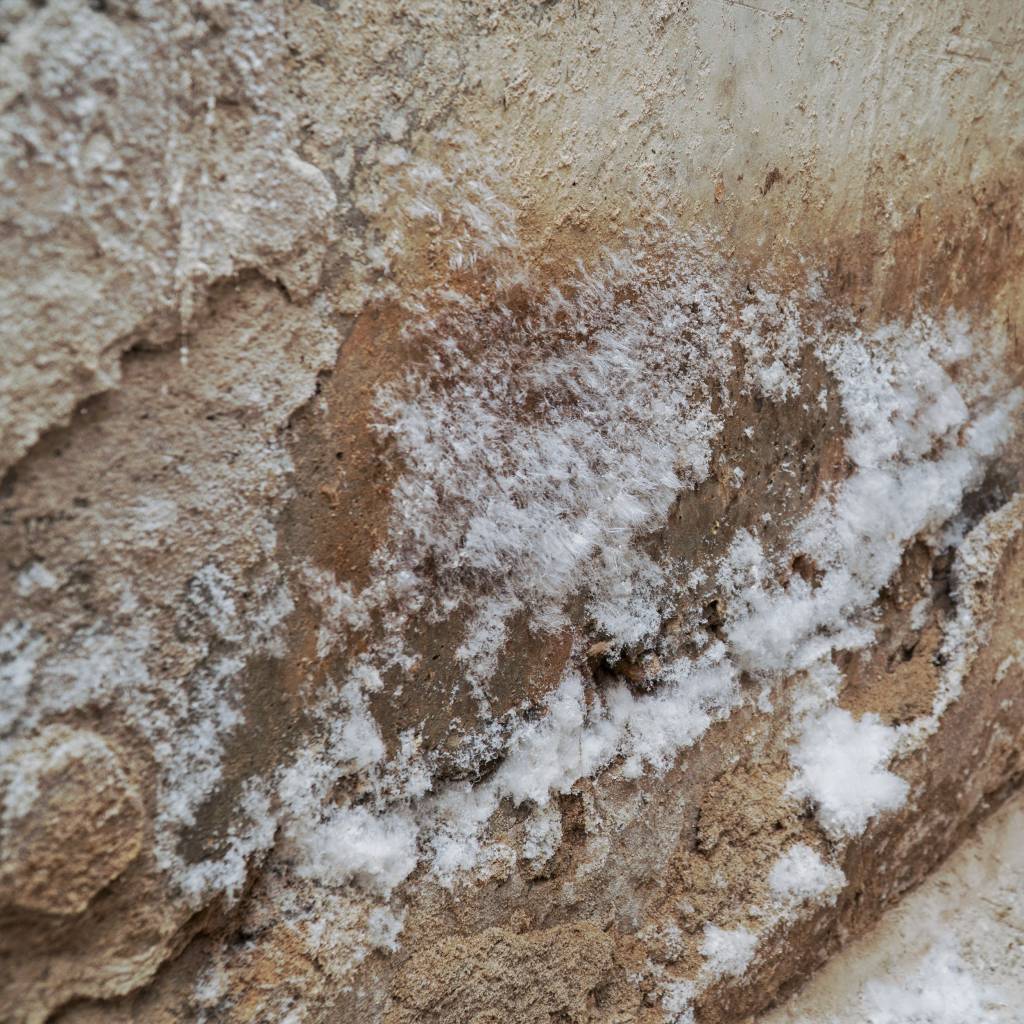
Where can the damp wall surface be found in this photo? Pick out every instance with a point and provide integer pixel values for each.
(465, 468)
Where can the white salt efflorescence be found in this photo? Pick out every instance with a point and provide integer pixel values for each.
(727, 951)
(800, 875)
(539, 452)
(840, 764)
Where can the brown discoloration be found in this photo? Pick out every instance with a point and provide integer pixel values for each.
(770, 179)
(339, 515)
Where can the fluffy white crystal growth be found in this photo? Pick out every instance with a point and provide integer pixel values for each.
(536, 460)
(727, 952)
(800, 875)
(676, 1002)
(543, 834)
(355, 845)
(841, 767)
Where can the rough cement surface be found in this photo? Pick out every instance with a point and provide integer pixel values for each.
(227, 227)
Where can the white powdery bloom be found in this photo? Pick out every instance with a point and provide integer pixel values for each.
(539, 453)
(383, 926)
(537, 460)
(676, 1001)
(35, 577)
(800, 874)
(543, 835)
(841, 767)
(378, 852)
(727, 951)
